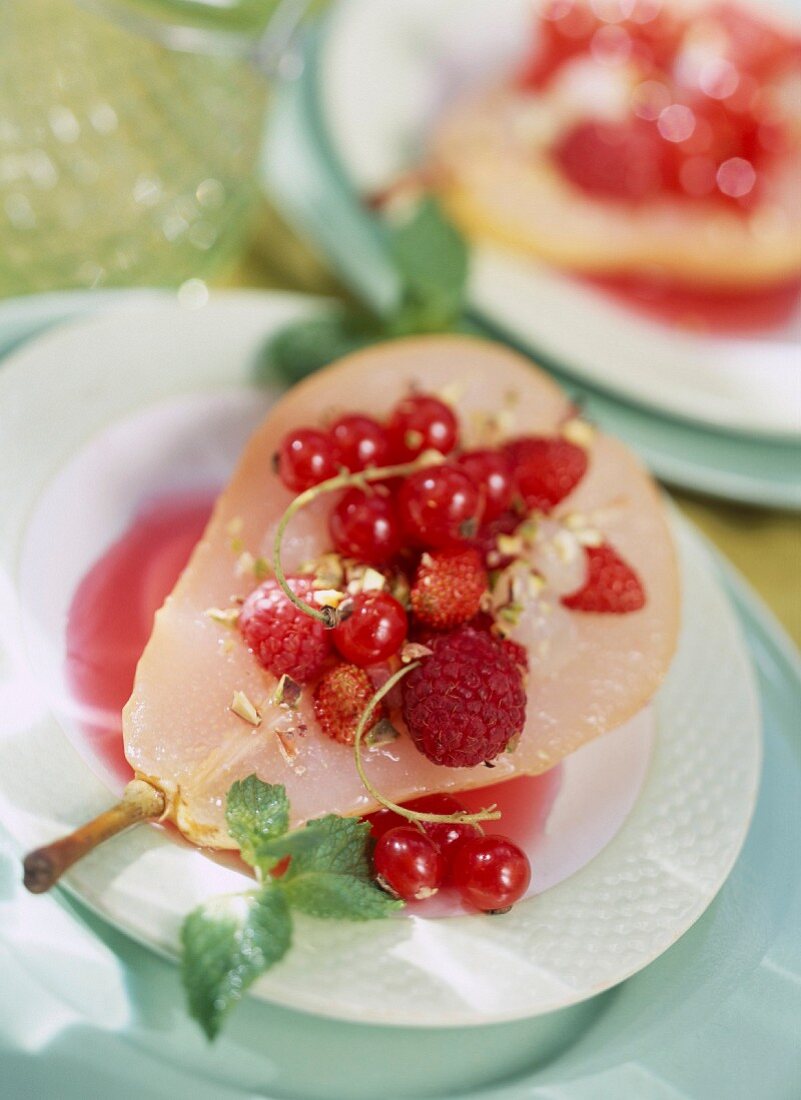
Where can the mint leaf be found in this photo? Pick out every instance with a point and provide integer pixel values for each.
(304, 346)
(338, 897)
(255, 813)
(227, 944)
(331, 843)
(431, 258)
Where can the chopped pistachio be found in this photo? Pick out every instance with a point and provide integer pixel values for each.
(237, 545)
(529, 530)
(328, 597)
(382, 733)
(512, 743)
(510, 546)
(287, 692)
(287, 745)
(226, 645)
(511, 398)
(511, 613)
(243, 708)
(226, 616)
(413, 651)
(590, 537)
(235, 526)
(565, 545)
(578, 431)
(400, 588)
(329, 571)
(261, 568)
(536, 584)
(373, 581)
(452, 393)
(244, 564)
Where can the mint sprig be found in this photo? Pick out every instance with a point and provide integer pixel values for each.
(230, 941)
(431, 261)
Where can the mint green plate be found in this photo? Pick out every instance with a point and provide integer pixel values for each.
(305, 178)
(716, 1015)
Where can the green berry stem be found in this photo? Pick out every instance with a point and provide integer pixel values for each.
(330, 616)
(490, 814)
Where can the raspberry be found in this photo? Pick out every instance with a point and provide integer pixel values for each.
(465, 702)
(546, 470)
(448, 587)
(284, 638)
(611, 586)
(517, 652)
(340, 699)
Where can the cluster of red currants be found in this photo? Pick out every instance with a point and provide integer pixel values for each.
(489, 872)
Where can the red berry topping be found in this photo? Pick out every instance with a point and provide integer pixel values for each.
(439, 507)
(546, 470)
(305, 457)
(421, 423)
(517, 652)
(360, 442)
(284, 638)
(613, 160)
(465, 702)
(490, 872)
(611, 586)
(340, 699)
(448, 587)
(408, 864)
(374, 631)
(491, 472)
(364, 526)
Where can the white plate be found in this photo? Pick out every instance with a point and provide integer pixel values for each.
(386, 67)
(135, 400)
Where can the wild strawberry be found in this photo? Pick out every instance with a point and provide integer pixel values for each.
(465, 702)
(340, 699)
(611, 586)
(546, 470)
(284, 638)
(448, 587)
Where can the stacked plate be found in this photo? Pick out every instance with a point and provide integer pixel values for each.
(716, 414)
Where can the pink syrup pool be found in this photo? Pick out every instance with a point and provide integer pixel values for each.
(111, 618)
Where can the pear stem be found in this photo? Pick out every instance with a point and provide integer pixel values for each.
(141, 801)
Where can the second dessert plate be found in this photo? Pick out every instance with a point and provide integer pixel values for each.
(383, 70)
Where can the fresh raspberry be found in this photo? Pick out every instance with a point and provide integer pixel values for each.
(611, 586)
(465, 702)
(448, 587)
(546, 470)
(284, 638)
(340, 699)
(517, 652)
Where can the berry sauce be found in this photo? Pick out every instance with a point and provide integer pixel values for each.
(716, 312)
(112, 611)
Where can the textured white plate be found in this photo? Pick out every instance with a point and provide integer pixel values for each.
(386, 68)
(157, 399)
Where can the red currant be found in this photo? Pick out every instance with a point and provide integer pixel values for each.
(490, 872)
(491, 472)
(439, 507)
(421, 423)
(445, 834)
(364, 526)
(374, 630)
(360, 442)
(305, 457)
(408, 864)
